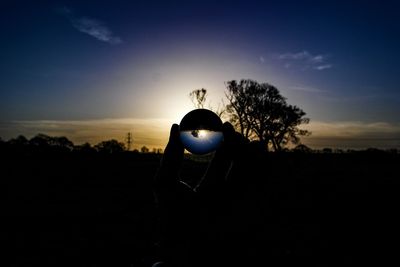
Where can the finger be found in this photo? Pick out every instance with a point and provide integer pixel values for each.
(233, 142)
(174, 133)
(228, 129)
(172, 158)
(173, 154)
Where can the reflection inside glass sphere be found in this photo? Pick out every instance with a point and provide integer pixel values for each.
(201, 131)
(201, 141)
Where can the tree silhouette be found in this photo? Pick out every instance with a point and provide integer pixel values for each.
(198, 97)
(111, 146)
(144, 149)
(157, 150)
(20, 141)
(85, 148)
(241, 97)
(301, 148)
(260, 112)
(40, 141)
(44, 142)
(284, 129)
(62, 142)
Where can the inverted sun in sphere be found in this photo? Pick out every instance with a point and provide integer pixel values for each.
(201, 131)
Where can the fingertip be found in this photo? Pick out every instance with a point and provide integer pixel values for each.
(174, 133)
(227, 128)
(227, 124)
(231, 136)
(174, 127)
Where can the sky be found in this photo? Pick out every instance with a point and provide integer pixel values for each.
(95, 70)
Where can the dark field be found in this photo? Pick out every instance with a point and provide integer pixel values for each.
(319, 209)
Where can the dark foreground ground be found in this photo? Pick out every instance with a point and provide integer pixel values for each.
(320, 209)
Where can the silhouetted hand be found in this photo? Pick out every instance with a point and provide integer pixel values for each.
(233, 148)
(185, 208)
(168, 173)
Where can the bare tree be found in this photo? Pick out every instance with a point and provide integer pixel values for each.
(220, 110)
(198, 97)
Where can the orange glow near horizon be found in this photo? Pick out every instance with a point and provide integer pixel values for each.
(154, 133)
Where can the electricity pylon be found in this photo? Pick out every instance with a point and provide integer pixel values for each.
(129, 140)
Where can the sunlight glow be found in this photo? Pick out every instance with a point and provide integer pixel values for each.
(202, 134)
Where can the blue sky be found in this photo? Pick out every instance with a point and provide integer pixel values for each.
(82, 63)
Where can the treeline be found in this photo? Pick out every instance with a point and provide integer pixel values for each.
(301, 148)
(45, 144)
(42, 143)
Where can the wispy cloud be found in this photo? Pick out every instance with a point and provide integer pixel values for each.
(296, 56)
(318, 59)
(262, 59)
(323, 67)
(306, 60)
(92, 27)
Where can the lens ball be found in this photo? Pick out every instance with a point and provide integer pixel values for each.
(201, 131)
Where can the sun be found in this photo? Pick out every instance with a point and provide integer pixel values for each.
(202, 133)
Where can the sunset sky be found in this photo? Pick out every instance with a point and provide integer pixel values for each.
(95, 70)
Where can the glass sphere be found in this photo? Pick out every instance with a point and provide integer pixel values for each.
(201, 131)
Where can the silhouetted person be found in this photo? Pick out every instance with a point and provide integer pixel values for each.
(200, 223)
